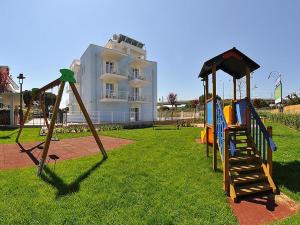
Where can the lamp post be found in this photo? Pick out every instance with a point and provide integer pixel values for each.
(21, 78)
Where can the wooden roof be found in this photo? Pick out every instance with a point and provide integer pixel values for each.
(232, 62)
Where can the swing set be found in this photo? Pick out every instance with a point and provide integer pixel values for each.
(66, 76)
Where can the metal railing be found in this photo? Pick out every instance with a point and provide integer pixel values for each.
(114, 95)
(139, 98)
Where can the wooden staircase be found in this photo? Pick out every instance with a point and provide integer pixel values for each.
(248, 174)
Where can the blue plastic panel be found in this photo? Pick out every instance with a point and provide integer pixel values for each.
(209, 114)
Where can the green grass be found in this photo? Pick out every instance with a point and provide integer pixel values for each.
(8, 136)
(162, 178)
(286, 166)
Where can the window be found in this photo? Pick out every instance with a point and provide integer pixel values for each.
(135, 73)
(109, 67)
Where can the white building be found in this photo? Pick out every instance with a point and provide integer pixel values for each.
(9, 100)
(116, 82)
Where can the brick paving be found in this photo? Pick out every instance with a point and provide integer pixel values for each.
(258, 210)
(11, 157)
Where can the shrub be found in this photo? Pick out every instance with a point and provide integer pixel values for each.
(290, 120)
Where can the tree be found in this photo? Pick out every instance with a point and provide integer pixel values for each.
(260, 103)
(194, 105)
(241, 84)
(172, 99)
(4, 78)
(48, 97)
(293, 99)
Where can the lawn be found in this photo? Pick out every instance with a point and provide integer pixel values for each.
(163, 178)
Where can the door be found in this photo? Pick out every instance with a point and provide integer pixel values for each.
(109, 91)
(109, 67)
(135, 73)
(137, 114)
(136, 94)
(134, 114)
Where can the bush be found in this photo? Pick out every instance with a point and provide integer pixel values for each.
(85, 128)
(290, 120)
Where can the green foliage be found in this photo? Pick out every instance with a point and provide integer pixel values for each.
(85, 128)
(260, 103)
(290, 120)
(293, 99)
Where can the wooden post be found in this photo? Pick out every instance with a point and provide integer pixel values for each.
(269, 153)
(25, 118)
(88, 120)
(51, 128)
(206, 128)
(248, 119)
(234, 100)
(42, 105)
(226, 160)
(214, 102)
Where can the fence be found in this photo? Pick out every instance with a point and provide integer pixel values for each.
(167, 115)
(110, 117)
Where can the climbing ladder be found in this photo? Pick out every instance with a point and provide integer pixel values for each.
(246, 152)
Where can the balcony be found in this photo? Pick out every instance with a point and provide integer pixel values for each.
(114, 96)
(112, 54)
(139, 62)
(112, 75)
(139, 98)
(138, 81)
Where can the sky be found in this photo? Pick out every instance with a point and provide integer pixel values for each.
(38, 38)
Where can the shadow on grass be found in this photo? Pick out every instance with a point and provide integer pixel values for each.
(63, 188)
(287, 174)
(9, 135)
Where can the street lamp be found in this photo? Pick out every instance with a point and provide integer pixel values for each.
(21, 78)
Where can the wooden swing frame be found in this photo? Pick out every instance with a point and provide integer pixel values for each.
(66, 76)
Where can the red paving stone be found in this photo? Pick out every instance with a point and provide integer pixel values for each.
(11, 157)
(258, 210)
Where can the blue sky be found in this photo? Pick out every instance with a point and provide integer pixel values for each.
(40, 37)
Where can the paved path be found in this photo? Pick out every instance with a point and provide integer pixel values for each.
(260, 210)
(11, 157)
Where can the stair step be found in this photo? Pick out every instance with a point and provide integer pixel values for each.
(241, 141)
(244, 167)
(242, 149)
(237, 128)
(253, 188)
(239, 159)
(239, 134)
(251, 177)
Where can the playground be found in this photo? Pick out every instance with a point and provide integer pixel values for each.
(163, 177)
(158, 175)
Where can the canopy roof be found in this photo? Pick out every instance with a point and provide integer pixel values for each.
(232, 62)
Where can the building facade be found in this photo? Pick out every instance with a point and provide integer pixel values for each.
(9, 99)
(116, 83)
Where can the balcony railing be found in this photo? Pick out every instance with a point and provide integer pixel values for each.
(112, 74)
(136, 77)
(109, 95)
(139, 98)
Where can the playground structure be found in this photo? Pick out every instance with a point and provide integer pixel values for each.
(66, 76)
(244, 143)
